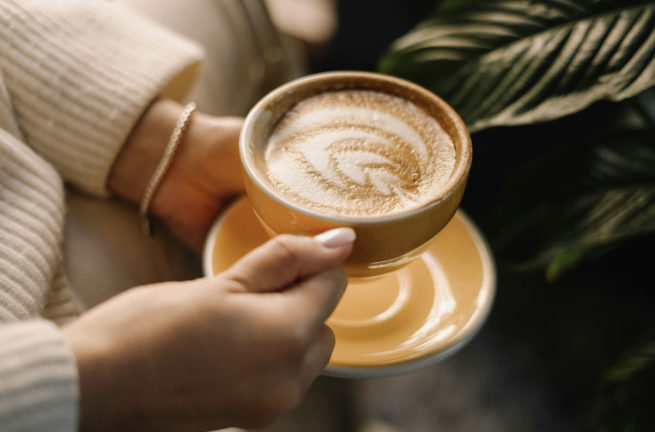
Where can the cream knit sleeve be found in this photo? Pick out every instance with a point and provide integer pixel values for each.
(39, 391)
(80, 73)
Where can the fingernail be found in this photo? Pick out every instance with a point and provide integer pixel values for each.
(336, 237)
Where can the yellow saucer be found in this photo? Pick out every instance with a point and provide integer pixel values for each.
(399, 322)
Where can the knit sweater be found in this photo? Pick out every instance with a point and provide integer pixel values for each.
(75, 75)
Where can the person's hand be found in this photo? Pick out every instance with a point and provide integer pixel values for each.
(237, 349)
(204, 173)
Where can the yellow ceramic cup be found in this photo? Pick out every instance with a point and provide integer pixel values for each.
(384, 243)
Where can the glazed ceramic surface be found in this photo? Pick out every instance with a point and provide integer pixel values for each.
(384, 243)
(398, 322)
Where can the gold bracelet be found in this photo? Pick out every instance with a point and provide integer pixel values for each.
(160, 171)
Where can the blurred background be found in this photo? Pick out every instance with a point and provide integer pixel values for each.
(556, 96)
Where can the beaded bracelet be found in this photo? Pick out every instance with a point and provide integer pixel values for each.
(162, 167)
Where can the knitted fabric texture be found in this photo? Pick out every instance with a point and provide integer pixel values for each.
(75, 76)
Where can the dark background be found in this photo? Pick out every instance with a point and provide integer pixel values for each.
(537, 363)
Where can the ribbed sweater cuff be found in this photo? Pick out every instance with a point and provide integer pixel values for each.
(81, 72)
(38, 379)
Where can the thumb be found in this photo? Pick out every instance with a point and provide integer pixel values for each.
(286, 258)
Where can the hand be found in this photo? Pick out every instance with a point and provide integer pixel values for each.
(237, 349)
(205, 171)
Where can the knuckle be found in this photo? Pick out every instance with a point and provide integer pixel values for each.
(285, 246)
(291, 343)
(287, 241)
(284, 348)
(297, 340)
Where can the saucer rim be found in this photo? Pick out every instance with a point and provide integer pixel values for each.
(469, 331)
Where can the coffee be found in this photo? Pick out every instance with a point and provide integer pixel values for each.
(368, 151)
(359, 153)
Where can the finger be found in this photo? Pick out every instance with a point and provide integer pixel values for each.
(318, 355)
(311, 301)
(285, 259)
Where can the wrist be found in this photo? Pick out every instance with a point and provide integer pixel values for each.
(143, 149)
(205, 170)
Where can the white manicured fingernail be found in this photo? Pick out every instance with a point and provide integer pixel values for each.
(336, 237)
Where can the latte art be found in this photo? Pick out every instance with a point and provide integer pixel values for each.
(359, 153)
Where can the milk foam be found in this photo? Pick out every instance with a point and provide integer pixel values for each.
(357, 153)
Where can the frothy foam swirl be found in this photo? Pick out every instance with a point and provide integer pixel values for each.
(359, 152)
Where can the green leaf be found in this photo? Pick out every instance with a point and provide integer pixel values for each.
(519, 62)
(565, 261)
(626, 396)
(575, 201)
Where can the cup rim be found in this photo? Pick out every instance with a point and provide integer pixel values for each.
(459, 174)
